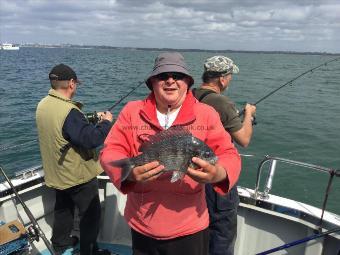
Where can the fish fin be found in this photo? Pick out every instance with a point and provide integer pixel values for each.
(126, 165)
(177, 175)
(168, 134)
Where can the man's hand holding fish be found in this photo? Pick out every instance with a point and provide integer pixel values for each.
(207, 173)
(147, 172)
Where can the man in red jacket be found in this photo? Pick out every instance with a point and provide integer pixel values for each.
(165, 217)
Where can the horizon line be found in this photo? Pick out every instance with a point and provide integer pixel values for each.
(69, 45)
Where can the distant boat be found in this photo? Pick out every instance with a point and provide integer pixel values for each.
(9, 46)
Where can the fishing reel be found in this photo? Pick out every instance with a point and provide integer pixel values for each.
(33, 233)
(92, 117)
(253, 121)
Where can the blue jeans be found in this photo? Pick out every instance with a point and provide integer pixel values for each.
(223, 220)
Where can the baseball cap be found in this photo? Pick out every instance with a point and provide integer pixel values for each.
(62, 72)
(220, 64)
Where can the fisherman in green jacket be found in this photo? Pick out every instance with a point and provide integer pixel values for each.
(70, 162)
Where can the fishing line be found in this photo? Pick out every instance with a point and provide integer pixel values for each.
(290, 82)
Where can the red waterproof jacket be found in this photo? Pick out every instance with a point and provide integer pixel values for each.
(161, 209)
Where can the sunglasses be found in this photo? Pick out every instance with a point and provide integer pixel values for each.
(174, 75)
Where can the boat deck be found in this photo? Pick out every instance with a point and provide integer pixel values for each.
(115, 249)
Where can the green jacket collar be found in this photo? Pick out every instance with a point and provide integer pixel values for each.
(58, 95)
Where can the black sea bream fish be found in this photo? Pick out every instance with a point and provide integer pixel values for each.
(173, 148)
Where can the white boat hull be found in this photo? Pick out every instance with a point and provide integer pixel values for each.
(8, 46)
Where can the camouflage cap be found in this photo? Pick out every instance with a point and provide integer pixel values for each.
(220, 64)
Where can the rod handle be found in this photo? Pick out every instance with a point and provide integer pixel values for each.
(253, 122)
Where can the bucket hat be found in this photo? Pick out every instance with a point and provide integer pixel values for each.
(169, 62)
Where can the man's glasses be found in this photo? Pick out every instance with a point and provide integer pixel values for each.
(174, 75)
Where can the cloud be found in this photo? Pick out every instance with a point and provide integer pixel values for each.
(229, 24)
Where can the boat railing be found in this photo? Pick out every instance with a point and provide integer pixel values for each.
(272, 169)
(271, 174)
(28, 172)
(22, 180)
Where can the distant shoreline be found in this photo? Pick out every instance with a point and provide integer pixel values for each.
(74, 46)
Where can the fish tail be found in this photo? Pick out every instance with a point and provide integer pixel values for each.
(126, 165)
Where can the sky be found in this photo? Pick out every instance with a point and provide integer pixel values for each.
(256, 25)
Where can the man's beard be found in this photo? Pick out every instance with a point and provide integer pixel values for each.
(225, 89)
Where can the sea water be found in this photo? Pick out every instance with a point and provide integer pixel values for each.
(301, 121)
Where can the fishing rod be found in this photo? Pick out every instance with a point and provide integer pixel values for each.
(35, 229)
(290, 82)
(93, 116)
(303, 240)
